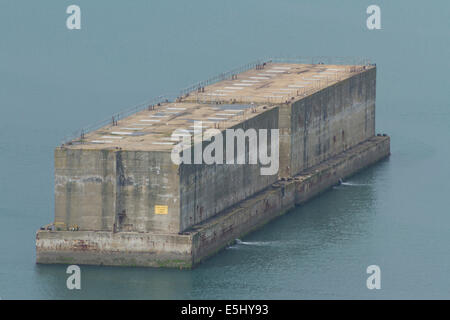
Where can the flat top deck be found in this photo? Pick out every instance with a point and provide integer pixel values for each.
(275, 83)
(151, 130)
(220, 105)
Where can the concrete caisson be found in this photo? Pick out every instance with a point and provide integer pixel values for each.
(120, 199)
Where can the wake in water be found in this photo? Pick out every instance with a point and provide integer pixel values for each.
(253, 243)
(239, 242)
(342, 183)
(353, 184)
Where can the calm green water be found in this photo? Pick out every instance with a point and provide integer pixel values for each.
(395, 214)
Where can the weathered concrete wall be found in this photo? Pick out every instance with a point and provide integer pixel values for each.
(147, 179)
(207, 238)
(314, 181)
(85, 188)
(327, 122)
(115, 190)
(206, 190)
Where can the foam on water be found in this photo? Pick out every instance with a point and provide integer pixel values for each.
(353, 184)
(253, 243)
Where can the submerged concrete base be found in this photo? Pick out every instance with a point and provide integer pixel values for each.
(187, 249)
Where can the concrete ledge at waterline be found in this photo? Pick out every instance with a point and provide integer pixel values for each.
(205, 239)
(113, 249)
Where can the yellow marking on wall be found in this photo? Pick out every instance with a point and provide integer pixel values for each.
(161, 209)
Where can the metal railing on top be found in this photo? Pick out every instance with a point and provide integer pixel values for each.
(78, 136)
(222, 76)
(351, 61)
